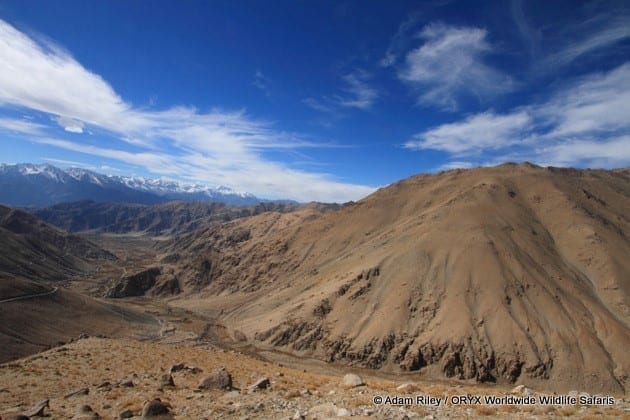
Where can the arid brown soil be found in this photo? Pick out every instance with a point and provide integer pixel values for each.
(116, 376)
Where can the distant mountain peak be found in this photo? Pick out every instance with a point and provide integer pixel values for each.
(28, 184)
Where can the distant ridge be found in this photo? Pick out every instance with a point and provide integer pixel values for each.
(39, 185)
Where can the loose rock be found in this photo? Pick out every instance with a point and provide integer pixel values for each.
(78, 392)
(262, 383)
(156, 409)
(38, 409)
(127, 414)
(219, 379)
(178, 367)
(167, 381)
(351, 380)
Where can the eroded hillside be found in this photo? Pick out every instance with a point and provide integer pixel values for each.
(505, 274)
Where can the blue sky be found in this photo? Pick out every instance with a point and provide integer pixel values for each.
(313, 100)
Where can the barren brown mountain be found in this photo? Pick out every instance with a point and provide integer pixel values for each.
(36, 311)
(515, 273)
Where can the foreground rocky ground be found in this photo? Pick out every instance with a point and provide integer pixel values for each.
(115, 378)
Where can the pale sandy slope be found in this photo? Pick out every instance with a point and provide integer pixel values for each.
(511, 274)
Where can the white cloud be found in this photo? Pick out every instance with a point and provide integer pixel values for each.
(613, 152)
(70, 124)
(598, 104)
(68, 162)
(607, 33)
(475, 134)
(262, 177)
(261, 82)
(583, 124)
(449, 66)
(455, 164)
(216, 147)
(21, 126)
(318, 105)
(46, 79)
(399, 41)
(357, 94)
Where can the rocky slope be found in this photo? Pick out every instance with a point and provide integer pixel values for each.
(36, 250)
(97, 385)
(509, 274)
(170, 218)
(37, 261)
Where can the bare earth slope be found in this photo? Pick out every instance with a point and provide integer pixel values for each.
(34, 249)
(34, 324)
(504, 274)
(36, 311)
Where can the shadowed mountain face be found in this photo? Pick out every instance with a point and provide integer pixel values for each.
(162, 219)
(510, 274)
(35, 258)
(36, 250)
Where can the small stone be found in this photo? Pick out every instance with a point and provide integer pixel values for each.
(86, 412)
(78, 392)
(104, 384)
(38, 409)
(85, 409)
(178, 367)
(327, 410)
(106, 406)
(352, 380)
(298, 415)
(521, 390)
(407, 387)
(127, 414)
(343, 412)
(167, 381)
(126, 384)
(262, 383)
(219, 379)
(17, 417)
(156, 409)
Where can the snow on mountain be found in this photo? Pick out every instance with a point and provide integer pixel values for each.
(59, 185)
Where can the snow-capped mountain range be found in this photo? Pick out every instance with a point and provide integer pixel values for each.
(38, 185)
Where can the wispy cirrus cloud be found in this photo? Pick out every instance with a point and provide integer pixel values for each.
(22, 126)
(475, 134)
(262, 82)
(399, 43)
(449, 65)
(586, 38)
(356, 93)
(216, 147)
(595, 105)
(583, 123)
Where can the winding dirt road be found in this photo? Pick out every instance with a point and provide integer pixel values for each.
(36, 295)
